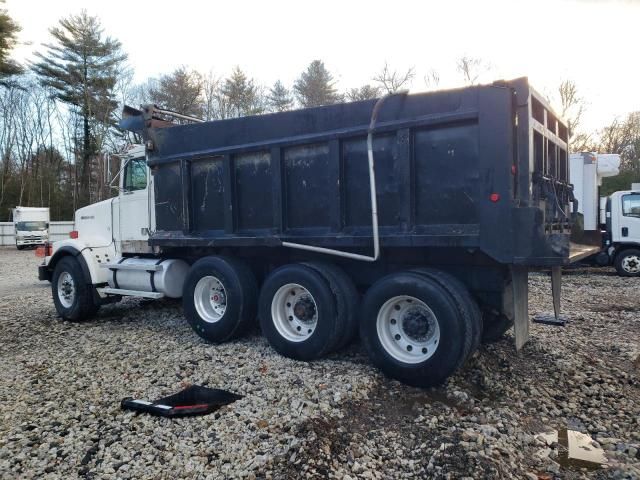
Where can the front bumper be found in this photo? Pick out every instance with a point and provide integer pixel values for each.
(31, 241)
(44, 273)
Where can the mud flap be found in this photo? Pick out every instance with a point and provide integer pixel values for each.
(520, 295)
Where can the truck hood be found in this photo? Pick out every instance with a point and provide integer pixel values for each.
(95, 222)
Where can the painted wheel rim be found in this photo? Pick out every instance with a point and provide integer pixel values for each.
(210, 299)
(294, 312)
(631, 264)
(66, 289)
(408, 329)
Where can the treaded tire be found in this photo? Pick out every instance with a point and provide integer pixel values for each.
(348, 300)
(494, 326)
(455, 329)
(84, 305)
(463, 297)
(326, 331)
(620, 257)
(241, 291)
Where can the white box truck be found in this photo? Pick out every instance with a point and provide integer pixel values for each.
(31, 226)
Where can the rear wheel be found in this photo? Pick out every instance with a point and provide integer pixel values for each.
(414, 330)
(628, 263)
(299, 312)
(348, 300)
(73, 295)
(463, 298)
(219, 298)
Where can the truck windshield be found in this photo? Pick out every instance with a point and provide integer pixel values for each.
(31, 226)
(631, 205)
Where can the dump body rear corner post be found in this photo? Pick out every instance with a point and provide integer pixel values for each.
(520, 292)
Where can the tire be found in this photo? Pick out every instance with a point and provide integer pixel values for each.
(73, 294)
(463, 298)
(348, 300)
(314, 308)
(235, 289)
(495, 325)
(438, 343)
(627, 263)
(20, 247)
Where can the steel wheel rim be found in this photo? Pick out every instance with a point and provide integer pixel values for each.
(631, 264)
(294, 312)
(66, 289)
(408, 329)
(210, 299)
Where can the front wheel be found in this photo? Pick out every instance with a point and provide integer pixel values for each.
(73, 295)
(628, 263)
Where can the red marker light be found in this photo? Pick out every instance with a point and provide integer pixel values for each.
(73, 234)
(494, 197)
(513, 170)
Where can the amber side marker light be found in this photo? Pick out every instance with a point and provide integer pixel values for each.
(44, 250)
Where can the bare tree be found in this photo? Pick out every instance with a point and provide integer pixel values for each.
(471, 69)
(180, 91)
(393, 80)
(432, 80)
(365, 92)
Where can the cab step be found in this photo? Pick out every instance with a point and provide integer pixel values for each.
(125, 266)
(130, 293)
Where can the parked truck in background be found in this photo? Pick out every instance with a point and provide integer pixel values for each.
(411, 220)
(31, 226)
(615, 219)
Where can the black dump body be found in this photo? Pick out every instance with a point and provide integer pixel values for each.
(484, 168)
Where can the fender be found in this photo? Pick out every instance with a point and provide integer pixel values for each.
(88, 257)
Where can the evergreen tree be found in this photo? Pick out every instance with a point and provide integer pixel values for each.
(279, 98)
(8, 32)
(82, 68)
(241, 95)
(316, 86)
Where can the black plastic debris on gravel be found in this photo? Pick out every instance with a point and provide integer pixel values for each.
(193, 400)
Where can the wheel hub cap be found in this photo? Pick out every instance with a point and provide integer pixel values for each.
(66, 289)
(408, 329)
(294, 312)
(631, 264)
(210, 299)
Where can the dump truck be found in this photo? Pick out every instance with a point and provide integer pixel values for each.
(410, 221)
(31, 226)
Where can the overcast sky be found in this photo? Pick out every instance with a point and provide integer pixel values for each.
(594, 43)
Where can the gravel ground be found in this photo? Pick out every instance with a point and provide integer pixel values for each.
(61, 385)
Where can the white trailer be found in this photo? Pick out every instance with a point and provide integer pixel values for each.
(31, 226)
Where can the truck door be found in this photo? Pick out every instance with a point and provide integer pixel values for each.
(134, 207)
(629, 219)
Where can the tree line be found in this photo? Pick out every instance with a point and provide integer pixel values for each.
(59, 114)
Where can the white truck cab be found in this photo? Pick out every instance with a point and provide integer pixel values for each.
(623, 227)
(31, 226)
(107, 255)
